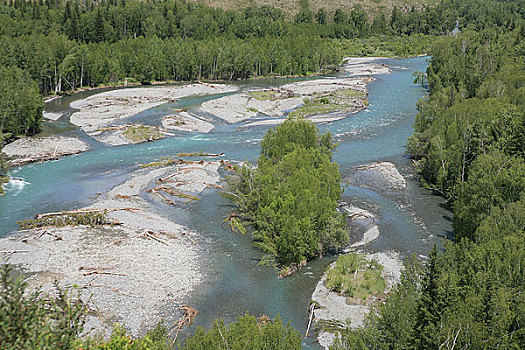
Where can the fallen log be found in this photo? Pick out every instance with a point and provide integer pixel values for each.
(187, 319)
(191, 240)
(310, 318)
(149, 235)
(9, 252)
(98, 272)
(84, 211)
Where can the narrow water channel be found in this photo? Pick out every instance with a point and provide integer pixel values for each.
(409, 222)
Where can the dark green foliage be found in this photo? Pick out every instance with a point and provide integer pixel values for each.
(246, 333)
(37, 320)
(291, 198)
(20, 104)
(470, 134)
(69, 219)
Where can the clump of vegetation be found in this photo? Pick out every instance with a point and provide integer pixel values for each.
(291, 197)
(263, 95)
(155, 339)
(316, 106)
(337, 101)
(32, 319)
(348, 93)
(142, 133)
(266, 95)
(66, 219)
(160, 163)
(194, 154)
(356, 277)
(247, 333)
(3, 172)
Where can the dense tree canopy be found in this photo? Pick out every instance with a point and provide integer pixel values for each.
(20, 104)
(291, 197)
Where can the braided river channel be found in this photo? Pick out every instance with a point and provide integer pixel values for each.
(410, 222)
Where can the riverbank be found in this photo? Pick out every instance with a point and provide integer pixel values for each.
(116, 264)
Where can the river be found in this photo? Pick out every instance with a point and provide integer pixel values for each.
(410, 223)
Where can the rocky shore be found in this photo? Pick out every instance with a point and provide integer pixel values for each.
(382, 176)
(116, 265)
(333, 310)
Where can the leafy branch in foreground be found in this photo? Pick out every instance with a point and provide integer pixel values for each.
(37, 320)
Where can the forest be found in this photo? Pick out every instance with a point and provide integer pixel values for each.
(469, 144)
(62, 46)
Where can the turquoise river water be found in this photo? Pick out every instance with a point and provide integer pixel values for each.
(410, 222)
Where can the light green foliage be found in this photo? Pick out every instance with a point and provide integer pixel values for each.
(4, 178)
(155, 339)
(264, 95)
(161, 163)
(356, 277)
(37, 320)
(291, 198)
(246, 333)
(315, 107)
(142, 133)
(495, 180)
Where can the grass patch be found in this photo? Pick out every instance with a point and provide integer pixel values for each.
(337, 101)
(193, 154)
(264, 95)
(160, 163)
(143, 133)
(317, 106)
(348, 93)
(356, 277)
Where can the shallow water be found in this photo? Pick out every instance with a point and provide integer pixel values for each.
(410, 223)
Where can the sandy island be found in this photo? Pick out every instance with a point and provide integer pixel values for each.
(34, 149)
(132, 272)
(98, 113)
(278, 102)
(336, 309)
(365, 66)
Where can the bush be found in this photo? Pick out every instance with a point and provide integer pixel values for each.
(246, 333)
(37, 320)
